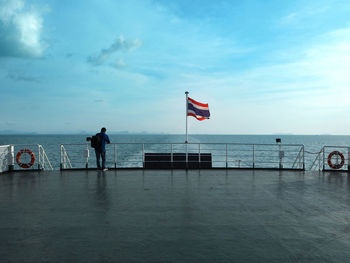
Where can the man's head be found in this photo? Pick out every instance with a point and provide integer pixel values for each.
(103, 130)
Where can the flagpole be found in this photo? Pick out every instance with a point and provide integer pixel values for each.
(186, 115)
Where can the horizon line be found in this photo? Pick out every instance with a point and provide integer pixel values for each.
(165, 133)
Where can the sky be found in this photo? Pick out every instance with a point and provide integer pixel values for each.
(264, 67)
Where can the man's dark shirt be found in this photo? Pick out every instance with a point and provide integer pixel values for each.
(104, 140)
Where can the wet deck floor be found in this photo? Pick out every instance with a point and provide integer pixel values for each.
(174, 216)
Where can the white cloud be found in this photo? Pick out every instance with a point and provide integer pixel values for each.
(9, 9)
(289, 18)
(20, 29)
(120, 44)
(120, 63)
(304, 13)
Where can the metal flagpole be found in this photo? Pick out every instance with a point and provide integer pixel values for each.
(186, 142)
(186, 115)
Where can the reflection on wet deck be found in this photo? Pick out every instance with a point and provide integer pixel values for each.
(175, 216)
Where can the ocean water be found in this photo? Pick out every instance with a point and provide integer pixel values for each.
(133, 154)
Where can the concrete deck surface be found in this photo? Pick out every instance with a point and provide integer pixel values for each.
(175, 216)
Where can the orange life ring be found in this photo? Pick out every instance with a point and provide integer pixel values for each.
(25, 165)
(339, 165)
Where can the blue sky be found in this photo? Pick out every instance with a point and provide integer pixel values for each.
(263, 66)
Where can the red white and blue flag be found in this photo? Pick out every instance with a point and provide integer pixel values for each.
(198, 110)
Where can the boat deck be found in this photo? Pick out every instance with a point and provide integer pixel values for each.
(174, 216)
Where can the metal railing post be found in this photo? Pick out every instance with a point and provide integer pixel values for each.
(253, 156)
(87, 154)
(226, 156)
(171, 156)
(186, 155)
(11, 158)
(143, 155)
(47, 159)
(280, 156)
(42, 158)
(319, 161)
(199, 154)
(303, 157)
(64, 157)
(115, 156)
(39, 161)
(323, 149)
(61, 158)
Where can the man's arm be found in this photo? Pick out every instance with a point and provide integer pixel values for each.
(107, 139)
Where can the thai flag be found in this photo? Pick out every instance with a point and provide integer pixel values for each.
(198, 110)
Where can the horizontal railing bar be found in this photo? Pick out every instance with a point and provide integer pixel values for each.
(336, 146)
(206, 150)
(75, 144)
(213, 161)
(25, 144)
(181, 143)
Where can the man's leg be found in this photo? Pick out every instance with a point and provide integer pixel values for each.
(103, 155)
(98, 154)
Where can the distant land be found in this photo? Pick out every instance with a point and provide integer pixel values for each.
(12, 132)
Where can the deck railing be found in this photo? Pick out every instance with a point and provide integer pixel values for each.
(223, 155)
(32, 154)
(332, 158)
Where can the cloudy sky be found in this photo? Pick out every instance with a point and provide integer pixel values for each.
(263, 66)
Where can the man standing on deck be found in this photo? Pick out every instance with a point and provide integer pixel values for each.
(101, 149)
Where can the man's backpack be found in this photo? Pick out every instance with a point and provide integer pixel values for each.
(96, 141)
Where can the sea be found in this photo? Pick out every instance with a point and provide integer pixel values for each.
(75, 144)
